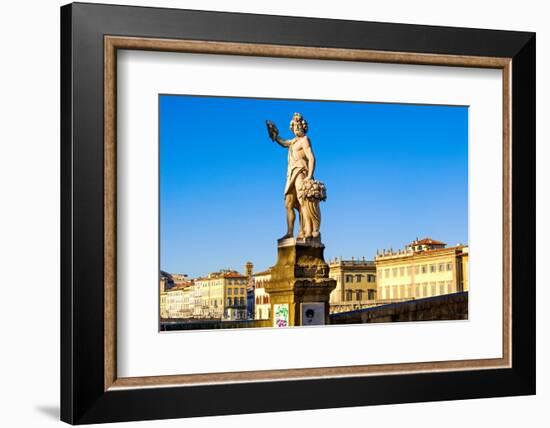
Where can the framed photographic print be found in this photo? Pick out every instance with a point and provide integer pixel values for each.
(265, 205)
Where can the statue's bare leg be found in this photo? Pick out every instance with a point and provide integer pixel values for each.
(290, 201)
(304, 229)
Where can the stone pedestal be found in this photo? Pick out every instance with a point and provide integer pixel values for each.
(301, 276)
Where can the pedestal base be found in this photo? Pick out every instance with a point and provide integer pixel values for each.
(300, 283)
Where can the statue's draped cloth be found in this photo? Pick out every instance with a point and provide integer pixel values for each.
(295, 168)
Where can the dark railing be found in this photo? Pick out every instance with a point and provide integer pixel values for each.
(197, 324)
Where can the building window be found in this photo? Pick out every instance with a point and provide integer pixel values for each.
(441, 267)
(358, 278)
(416, 269)
(242, 290)
(423, 269)
(371, 278)
(449, 266)
(401, 271)
(348, 295)
(229, 301)
(229, 291)
(359, 295)
(241, 301)
(387, 273)
(432, 268)
(349, 278)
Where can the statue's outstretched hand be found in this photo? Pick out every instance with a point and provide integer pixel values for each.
(272, 130)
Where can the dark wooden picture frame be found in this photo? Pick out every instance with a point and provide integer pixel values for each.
(90, 389)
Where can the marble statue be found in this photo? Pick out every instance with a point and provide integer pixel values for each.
(302, 192)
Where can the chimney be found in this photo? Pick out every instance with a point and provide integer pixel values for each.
(249, 269)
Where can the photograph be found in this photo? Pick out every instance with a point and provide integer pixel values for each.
(282, 213)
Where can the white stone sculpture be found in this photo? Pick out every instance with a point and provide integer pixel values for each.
(302, 192)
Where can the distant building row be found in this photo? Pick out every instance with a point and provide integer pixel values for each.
(220, 295)
(424, 268)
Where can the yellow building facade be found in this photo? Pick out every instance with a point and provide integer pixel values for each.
(425, 268)
(235, 296)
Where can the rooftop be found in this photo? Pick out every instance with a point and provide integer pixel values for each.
(352, 262)
(233, 275)
(409, 252)
(265, 272)
(427, 241)
(222, 274)
(181, 286)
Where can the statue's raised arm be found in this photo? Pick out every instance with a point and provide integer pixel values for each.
(273, 133)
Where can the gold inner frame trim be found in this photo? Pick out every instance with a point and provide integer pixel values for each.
(113, 43)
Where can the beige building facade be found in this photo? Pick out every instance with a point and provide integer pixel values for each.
(262, 304)
(355, 281)
(174, 302)
(163, 308)
(164, 284)
(220, 295)
(425, 268)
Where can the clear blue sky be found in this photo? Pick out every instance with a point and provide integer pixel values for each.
(393, 172)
